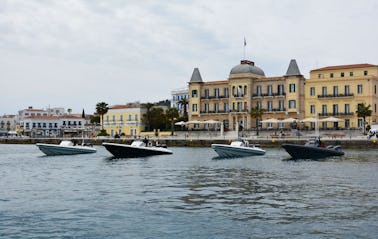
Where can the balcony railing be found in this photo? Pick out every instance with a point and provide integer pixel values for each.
(274, 110)
(283, 94)
(336, 114)
(239, 111)
(214, 112)
(335, 95)
(213, 97)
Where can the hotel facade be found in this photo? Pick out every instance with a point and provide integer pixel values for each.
(230, 101)
(331, 91)
(338, 90)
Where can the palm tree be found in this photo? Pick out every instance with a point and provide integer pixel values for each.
(363, 111)
(172, 114)
(256, 113)
(69, 111)
(101, 109)
(147, 116)
(184, 102)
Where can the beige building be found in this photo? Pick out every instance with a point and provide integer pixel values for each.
(338, 90)
(124, 120)
(229, 101)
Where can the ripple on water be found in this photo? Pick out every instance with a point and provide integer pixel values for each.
(187, 194)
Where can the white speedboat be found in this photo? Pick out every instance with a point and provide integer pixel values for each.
(237, 149)
(137, 148)
(65, 147)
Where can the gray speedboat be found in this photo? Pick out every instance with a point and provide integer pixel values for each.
(237, 149)
(65, 147)
(313, 149)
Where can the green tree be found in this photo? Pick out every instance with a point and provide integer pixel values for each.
(101, 109)
(256, 113)
(184, 102)
(363, 111)
(147, 117)
(69, 110)
(172, 114)
(156, 119)
(95, 119)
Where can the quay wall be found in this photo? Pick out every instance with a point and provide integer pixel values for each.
(349, 143)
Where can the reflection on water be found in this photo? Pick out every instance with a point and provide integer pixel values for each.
(188, 195)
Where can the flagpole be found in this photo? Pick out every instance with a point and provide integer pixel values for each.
(245, 43)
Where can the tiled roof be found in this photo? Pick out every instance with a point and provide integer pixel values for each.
(34, 110)
(47, 117)
(344, 67)
(72, 116)
(217, 82)
(115, 107)
(42, 117)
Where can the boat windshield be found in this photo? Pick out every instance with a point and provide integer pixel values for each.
(66, 143)
(138, 143)
(237, 143)
(313, 142)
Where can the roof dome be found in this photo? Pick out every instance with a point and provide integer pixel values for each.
(247, 67)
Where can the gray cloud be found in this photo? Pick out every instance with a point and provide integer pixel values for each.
(76, 53)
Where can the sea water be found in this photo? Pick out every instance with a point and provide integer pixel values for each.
(189, 194)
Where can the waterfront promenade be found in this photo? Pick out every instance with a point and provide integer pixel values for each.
(267, 139)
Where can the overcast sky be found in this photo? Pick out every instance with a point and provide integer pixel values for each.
(76, 53)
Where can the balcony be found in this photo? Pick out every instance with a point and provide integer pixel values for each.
(283, 94)
(219, 97)
(239, 111)
(336, 114)
(239, 95)
(214, 112)
(335, 96)
(277, 110)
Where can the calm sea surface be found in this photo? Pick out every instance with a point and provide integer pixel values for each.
(186, 195)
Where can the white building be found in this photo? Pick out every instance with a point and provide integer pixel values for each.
(7, 123)
(57, 111)
(45, 125)
(177, 95)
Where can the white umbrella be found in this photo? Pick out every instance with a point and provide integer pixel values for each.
(181, 123)
(271, 120)
(211, 122)
(194, 122)
(309, 120)
(288, 120)
(331, 119)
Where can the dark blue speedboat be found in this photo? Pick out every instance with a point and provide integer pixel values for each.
(313, 149)
(136, 149)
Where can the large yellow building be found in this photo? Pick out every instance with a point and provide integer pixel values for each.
(124, 120)
(338, 90)
(230, 101)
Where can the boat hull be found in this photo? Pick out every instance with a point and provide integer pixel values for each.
(227, 151)
(54, 150)
(310, 152)
(128, 151)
